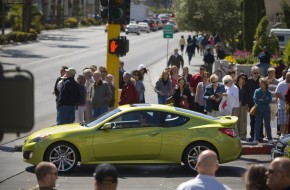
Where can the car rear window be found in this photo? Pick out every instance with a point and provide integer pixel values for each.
(196, 113)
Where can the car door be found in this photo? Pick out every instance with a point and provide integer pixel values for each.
(129, 138)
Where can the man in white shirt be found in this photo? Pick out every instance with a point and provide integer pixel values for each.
(282, 115)
(231, 98)
(207, 165)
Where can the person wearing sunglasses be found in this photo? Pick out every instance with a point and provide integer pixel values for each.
(278, 174)
(241, 125)
(213, 96)
(46, 175)
(252, 85)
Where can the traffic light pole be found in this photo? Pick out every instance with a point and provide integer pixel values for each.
(113, 60)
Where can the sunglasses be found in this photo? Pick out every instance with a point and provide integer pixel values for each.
(201, 68)
(256, 73)
(214, 81)
(226, 82)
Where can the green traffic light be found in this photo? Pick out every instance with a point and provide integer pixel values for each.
(117, 13)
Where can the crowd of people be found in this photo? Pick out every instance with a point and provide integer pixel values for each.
(94, 94)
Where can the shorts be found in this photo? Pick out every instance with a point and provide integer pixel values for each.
(282, 117)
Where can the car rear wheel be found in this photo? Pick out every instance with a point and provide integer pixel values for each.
(192, 152)
(63, 155)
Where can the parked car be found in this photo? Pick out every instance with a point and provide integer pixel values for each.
(144, 27)
(174, 25)
(281, 148)
(135, 134)
(164, 18)
(132, 28)
(152, 24)
(159, 24)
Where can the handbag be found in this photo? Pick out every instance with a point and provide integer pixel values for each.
(253, 110)
(170, 100)
(287, 107)
(184, 103)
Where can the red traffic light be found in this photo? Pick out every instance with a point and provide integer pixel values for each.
(119, 46)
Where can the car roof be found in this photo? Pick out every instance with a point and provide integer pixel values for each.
(142, 23)
(162, 107)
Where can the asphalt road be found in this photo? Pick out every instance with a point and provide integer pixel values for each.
(80, 48)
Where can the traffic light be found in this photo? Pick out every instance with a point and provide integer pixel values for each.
(119, 46)
(104, 9)
(16, 100)
(119, 11)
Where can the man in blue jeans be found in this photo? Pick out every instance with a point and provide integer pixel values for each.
(68, 98)
(264, 63)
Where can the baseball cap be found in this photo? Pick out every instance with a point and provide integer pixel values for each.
(106, 174)
(71, 71)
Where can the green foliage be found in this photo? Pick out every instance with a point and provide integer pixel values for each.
(158, 10)
(211, 16)
(71, 23)
(89, 22)
(50, 26)
(286, 10)
(18, 36)
(262, 39)
(253, 12)
(287, 53)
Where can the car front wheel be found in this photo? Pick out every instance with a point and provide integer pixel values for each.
(192, 152)
(63, 155)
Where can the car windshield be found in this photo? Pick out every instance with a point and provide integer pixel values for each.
(102, 117)
(196, 113)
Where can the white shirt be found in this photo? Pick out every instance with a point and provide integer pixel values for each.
(282, 89)
(202, 182)
(234, 92)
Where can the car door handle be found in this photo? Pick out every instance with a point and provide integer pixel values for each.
(152, 134)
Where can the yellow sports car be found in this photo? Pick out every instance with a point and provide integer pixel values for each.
(135, 134)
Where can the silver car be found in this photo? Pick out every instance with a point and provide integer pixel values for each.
(279, 149)
(144, 27)
(132, 28)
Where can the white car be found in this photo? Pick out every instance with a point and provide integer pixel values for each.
(132, 28)
(144, 27)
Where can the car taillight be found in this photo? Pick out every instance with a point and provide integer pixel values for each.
(153, 24)
(228, 131)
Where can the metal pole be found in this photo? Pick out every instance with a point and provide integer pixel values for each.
(167, 50)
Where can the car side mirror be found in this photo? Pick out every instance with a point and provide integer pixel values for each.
(107, 126)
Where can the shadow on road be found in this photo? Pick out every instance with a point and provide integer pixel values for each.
(126, 171)
(69, 46)
(57, 37)
(19, 54)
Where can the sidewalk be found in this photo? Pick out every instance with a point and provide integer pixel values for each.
(155, 71)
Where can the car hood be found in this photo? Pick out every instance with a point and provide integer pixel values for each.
(227, 120)
(57, 129)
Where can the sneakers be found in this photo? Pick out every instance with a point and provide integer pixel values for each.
(270, 142)
(255, 142)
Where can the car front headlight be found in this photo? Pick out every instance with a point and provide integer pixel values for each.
(40, 138)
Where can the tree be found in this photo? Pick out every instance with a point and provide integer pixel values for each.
(262, 39)
(222, 16)
(286, 10)
(253, 11)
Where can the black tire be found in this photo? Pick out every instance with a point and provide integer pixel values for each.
(192, 152)
(63, 155)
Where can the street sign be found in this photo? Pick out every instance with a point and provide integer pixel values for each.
(168, 31)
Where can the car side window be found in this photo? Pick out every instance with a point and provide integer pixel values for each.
(134, 120)
(174, 120)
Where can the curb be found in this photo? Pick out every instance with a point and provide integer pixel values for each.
(258, 149)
